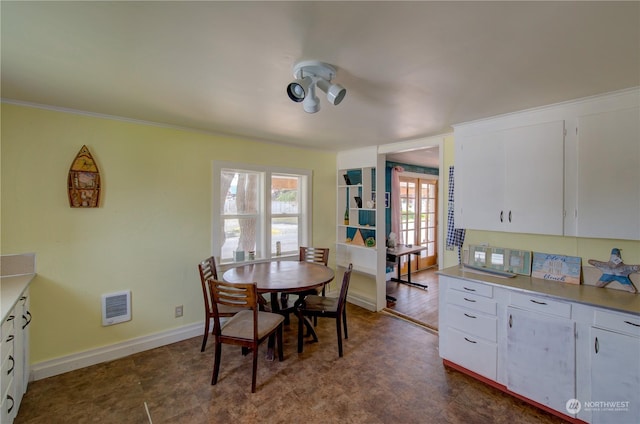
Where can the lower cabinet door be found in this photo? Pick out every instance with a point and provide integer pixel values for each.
(615, 378)
(541, 358)
(472, 352)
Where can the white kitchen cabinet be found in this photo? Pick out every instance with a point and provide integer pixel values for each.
(615, 369)
(511, 179)
(7, 369)
(608, 197)
(14, 358)
(541, 357)
(469, 312)
(555, 342)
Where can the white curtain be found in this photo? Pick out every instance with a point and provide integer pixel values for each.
(396, 216)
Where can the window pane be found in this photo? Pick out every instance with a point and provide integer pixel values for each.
(284, 194)
(240, 190)
(239, 234)
(284, 231)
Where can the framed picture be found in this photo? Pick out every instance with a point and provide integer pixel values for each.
(347, 180)
(387, 199)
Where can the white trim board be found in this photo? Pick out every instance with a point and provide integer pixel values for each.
(115, 351)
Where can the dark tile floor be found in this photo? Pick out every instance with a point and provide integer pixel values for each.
(390, 373)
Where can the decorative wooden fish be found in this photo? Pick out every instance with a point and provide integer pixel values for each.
(84, 181)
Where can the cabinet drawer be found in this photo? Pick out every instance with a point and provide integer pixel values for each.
(7, 400)
(472, 353)
(467, 300)
(473, 323)
(627, 324)
(6, 348)
(541, 304)
(471, 287)
(8, 326)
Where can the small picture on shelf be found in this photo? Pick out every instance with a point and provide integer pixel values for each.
(347, 180)
(358, 201)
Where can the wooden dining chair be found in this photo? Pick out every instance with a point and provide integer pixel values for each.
(326, 307)
(247, 328)
(207, 269)
(319, 255)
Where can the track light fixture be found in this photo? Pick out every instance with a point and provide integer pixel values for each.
(309, 74)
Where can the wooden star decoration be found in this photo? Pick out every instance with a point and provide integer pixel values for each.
(615, 270)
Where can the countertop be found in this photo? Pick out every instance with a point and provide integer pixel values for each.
(617, 300)
(11, 288)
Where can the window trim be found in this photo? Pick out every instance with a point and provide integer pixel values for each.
(265, 215)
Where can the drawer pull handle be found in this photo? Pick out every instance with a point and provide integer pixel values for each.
(470, 341)
(10, 318)
(13, 364)
(596, 345)
(509, 216)
(9, 339)
(470, 316)
(13, 402)
(539, 303)
(510, 320)
(27, 319)
(469, 300)
(501, 216)
(632, 323)
(468, 289)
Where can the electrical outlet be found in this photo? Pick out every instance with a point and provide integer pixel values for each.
(178, 311)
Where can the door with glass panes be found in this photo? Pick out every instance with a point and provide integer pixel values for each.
(418, 200)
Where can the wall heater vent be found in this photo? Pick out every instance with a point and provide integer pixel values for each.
(116, 308)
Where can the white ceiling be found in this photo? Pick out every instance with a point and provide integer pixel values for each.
(411, 69)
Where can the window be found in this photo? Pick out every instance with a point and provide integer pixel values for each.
(262, 213)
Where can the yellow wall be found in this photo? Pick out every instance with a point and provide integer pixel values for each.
(151, 230)
(450, 256)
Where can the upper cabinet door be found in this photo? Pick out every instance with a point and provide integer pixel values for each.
(479, 182)
(608, 200)
(512, 179)
(534, 185)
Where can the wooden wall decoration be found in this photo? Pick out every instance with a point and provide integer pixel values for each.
(84, 181)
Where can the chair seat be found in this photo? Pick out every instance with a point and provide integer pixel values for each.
(320, 304)
(241, 324)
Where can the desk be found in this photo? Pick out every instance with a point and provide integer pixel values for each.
(281, 277)
(396, 253)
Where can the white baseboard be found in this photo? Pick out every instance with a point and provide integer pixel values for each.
(87, 358)
(362, 302)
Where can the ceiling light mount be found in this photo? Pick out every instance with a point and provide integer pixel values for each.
(311, 73)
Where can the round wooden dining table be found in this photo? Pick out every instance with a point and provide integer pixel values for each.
(282, 277)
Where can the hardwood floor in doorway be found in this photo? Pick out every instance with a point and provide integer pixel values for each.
(415, 303)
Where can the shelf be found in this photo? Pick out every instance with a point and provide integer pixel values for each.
(356, 246)
(362, 227)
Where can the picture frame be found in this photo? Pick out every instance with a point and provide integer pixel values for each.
(358, 200)
(347, 180)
